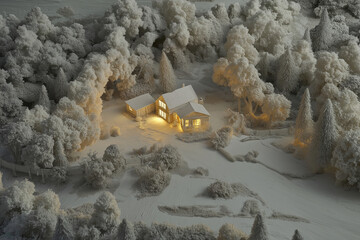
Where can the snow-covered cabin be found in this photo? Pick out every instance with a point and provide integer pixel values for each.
(141, 105)
(182, 106)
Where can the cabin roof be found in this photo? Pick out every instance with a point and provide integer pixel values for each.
(180, 96)
(191, 107)
(140, 101)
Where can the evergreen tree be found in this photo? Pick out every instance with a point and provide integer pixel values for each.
(321, 35)
(44, 99)
(126, 231)
(297, 236)
(61, 85)
(167, 75)
(325, 136)
(306, 36)
(59, 155)
(304, 123)
(259, 230)
(63, 230)
(287, 75)
(263, 66)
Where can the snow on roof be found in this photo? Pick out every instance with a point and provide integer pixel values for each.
(180, 96)
(140, 101)
(190, 108)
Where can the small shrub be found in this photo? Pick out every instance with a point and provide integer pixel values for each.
(97, 172)
(58, 174)
(222, 137)
(112, 154)
(152, 181)
(221, 189)
(166, 158)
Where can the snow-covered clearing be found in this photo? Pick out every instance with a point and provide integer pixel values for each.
(332, 211)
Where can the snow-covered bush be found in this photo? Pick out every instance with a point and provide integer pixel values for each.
(346, 158)
(220, 189)
(230, 232)
(152, 181)
(112, 154)
(222, 137)
(250, 208)
(106, 215)
(96, 171)
(59, 174)
(166, 158)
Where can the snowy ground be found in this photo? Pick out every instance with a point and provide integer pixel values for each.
(332, 211)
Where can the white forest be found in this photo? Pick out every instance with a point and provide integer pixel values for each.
(181, 120)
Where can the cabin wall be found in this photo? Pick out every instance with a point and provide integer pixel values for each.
(132, 111)
(142, 111)
(205, 123)
(169, 117)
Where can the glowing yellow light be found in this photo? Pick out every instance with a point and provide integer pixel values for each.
(187, 123)
(162, 114)
(196, 122)
(162, 104)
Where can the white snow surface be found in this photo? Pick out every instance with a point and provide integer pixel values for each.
(333, 211)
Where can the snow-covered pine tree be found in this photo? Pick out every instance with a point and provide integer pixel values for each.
(325, 136)
(307, 36)
(287, 75)
(61, 85)
(259, 230)
(64, 230)
(321, 35)
(263, 66)
(167, 75)
(126, 231)
(297, 236)
(304, 123)
(44, 99)
(59, 155)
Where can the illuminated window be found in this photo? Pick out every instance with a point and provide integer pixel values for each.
(130, 109)
(187, 123)
(196, 122)
(162, 114)
(162, 104)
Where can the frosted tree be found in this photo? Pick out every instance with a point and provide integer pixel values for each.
(351, 54)
(304, 123)
(16, 136)
(167, 75)
(329, 69)
(275, 107)
(287, 75)
(346, 158)
(126, 231)
(305, 60)
(263, 66)
(96, 171)
(106, 215)
(60, 85)
(39, 152)
(259, 229)
(307, 36)
(112, 154)
(321, 35)
(60, 158)
(325, 136)
(16, 199)
(10, 104)
(63, 230)
(220, 12)
(297, 236)
(44, 99)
